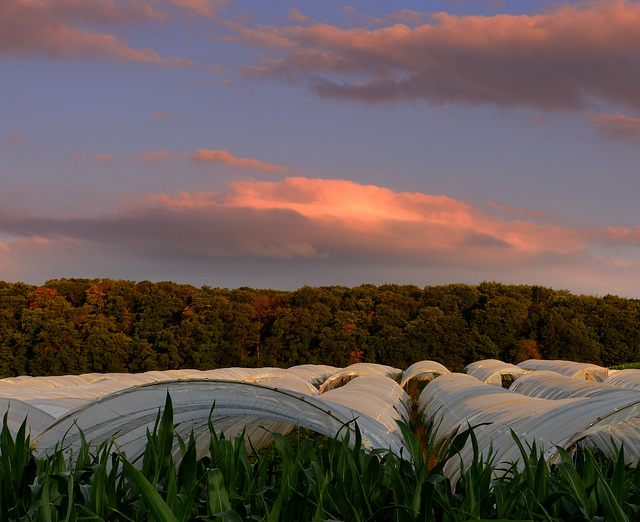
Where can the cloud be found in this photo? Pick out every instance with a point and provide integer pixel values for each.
(166, 115)
(408, 16)
(16, 138)
(203, 156)
(617, 127)
(544, 216)
(156, 155)
(567, 58)
(320, 232)
(296, 16)
(222, 156)
(68, 29)
(94, 157)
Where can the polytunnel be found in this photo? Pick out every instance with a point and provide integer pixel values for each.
(493, 371)
(549, 385)
(123, 406)
(629, 378)
(591, 372)
(544, 406)
(277, 405)
(546, 384)
(457, 401)
(423, 371)
(343, 376)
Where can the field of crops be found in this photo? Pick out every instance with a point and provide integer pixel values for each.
(367, 442)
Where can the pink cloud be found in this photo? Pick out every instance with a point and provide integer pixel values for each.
(317, 226)
(94, 157)
(203, 8)
(222, 156)
(16, 138)
(342, 215)
(65, 29)
(296, 16)
(166, 115)
(408, 16)
(531, 213)
(558, 60)
(617, 127)
(156, 155)
(203, 156)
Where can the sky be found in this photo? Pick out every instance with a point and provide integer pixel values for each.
(280, 144)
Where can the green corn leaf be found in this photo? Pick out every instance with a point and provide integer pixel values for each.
(230, 516)
(618, 477)
(45, 505)
(98, 496)
(152, 499)
(612, 510)
(573, 480)
(218, 497)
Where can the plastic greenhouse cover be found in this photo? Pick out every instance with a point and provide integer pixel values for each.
(457, 401)
(423, 371)
(611, 438)
(550, 385)
(492, 370)
(122, 406)
(568, 368)
(316, 374)
(358, 370)
(376, 396)
(126, 415)
(624, 378)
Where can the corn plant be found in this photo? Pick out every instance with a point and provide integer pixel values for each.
(293, 480)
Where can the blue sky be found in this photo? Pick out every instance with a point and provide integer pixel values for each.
(279, 144)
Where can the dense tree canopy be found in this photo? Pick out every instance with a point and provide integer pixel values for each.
(102, 325)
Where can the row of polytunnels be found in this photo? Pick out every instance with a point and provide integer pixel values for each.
(554, 403)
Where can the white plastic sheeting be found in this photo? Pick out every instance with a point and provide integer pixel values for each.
(374, 397)
(46, 398)
(456, 401)
(610, 438)
(423, 371)
(591, 372)
(547, 407)
(316, 374)
(624, 378)
(493, 371)
(358, 370)
(550, 385)
(123, 406)
(125, 416)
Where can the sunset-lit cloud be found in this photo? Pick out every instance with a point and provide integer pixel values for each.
(424, 142)
(331, 221)
(94, 157)
(166, 115)
(203, 156)
(531, 213)
(296, 16)
(617, 127)
(561, 59)
(222, 156)
(156, 155)
(65, 29)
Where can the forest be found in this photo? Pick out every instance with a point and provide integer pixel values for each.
(73, 326)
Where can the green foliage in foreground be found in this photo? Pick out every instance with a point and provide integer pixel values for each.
(297, 483)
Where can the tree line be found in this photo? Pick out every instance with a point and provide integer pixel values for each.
(72, 326)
